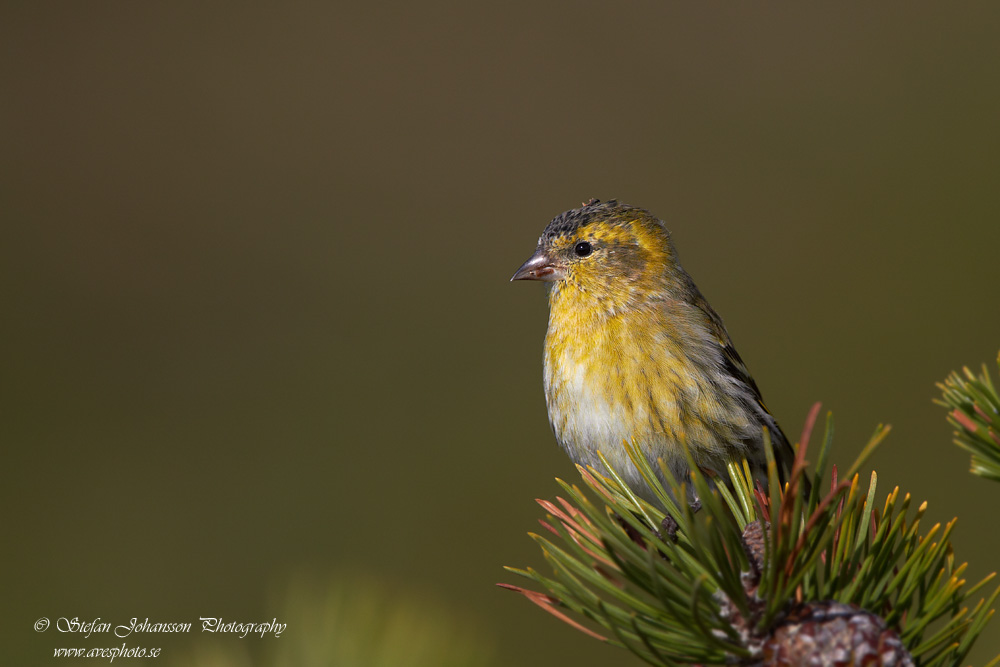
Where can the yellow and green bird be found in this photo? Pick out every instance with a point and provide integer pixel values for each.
(634, 352)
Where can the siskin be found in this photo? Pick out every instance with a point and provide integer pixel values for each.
(634, 352)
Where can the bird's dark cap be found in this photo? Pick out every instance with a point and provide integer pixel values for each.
(572, 220)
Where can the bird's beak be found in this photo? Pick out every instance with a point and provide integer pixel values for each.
(539, 266)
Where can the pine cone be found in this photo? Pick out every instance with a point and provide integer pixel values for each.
(754, 536)
(832, 634)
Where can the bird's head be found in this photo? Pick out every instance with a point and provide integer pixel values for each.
(607, 251)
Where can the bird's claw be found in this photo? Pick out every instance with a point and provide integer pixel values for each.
(668, 527)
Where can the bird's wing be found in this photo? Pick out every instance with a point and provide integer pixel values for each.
(783, 451)
(733, 365)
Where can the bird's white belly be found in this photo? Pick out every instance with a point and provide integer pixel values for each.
(587, 421)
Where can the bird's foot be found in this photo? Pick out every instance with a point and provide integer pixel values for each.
(668, 527)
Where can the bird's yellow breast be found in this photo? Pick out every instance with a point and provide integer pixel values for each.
(622, 374)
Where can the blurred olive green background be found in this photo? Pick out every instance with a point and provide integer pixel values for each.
(255, 262)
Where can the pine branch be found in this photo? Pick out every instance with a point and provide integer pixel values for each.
(974, 411)
(757, 577)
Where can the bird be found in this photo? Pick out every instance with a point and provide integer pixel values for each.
(633, 352)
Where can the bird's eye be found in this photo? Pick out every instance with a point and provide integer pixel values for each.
(582, 249)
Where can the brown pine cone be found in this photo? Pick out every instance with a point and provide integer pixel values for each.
(832, 634)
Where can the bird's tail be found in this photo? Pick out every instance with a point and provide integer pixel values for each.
(784, 455)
